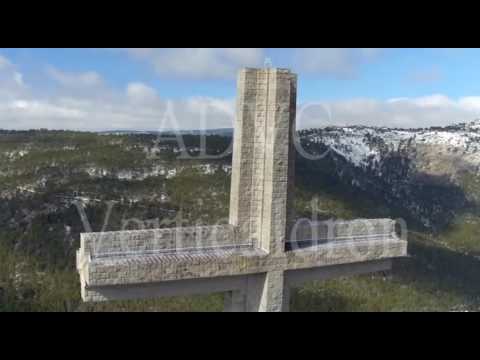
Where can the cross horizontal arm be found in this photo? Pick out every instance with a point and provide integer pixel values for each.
(126, 243)
(110, 269)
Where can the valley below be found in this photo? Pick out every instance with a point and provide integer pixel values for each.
(55, 185)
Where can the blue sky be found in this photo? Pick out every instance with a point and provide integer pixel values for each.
(92, 89)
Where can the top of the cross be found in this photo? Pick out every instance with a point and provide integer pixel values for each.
(249, 73)
(267, 69)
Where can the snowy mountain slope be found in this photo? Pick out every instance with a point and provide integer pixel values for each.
(430, 174)
(365, 146)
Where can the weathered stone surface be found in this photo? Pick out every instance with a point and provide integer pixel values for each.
(257, 255)
(125, 242)
(117, 270)
(263, 154)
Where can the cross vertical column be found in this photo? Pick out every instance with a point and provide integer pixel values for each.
(279, 156)
(261, 200)
(242, 158)
(235, 301)
(263, 157)
(267, 292)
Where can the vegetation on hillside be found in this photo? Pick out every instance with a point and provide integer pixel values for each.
(45, 175)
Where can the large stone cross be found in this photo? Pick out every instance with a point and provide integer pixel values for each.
(261, 253)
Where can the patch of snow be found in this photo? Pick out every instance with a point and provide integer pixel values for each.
(362, 146)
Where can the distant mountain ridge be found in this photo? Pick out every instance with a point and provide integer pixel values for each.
(221, 132)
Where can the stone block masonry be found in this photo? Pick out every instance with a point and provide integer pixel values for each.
(261, 252)
(261, 193)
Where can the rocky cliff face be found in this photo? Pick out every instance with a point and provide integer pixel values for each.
(431, 175)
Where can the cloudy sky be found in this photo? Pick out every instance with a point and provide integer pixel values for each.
(153, 89)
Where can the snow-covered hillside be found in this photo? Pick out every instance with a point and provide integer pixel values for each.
(366, 146)
(432, 174)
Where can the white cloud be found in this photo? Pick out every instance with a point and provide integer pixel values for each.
(199, 63)
(11, 80)
(471, 103)
(40, 110)
(212, 112)
(94, 107)
(141, 93)
(139, 106)
(215, 63)
(433, 101)
(205, 103)
(18, 78)
(204, 112)
(120, 113)
(336, 62)
(4, 63)
(426, 111)
(75, 80)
